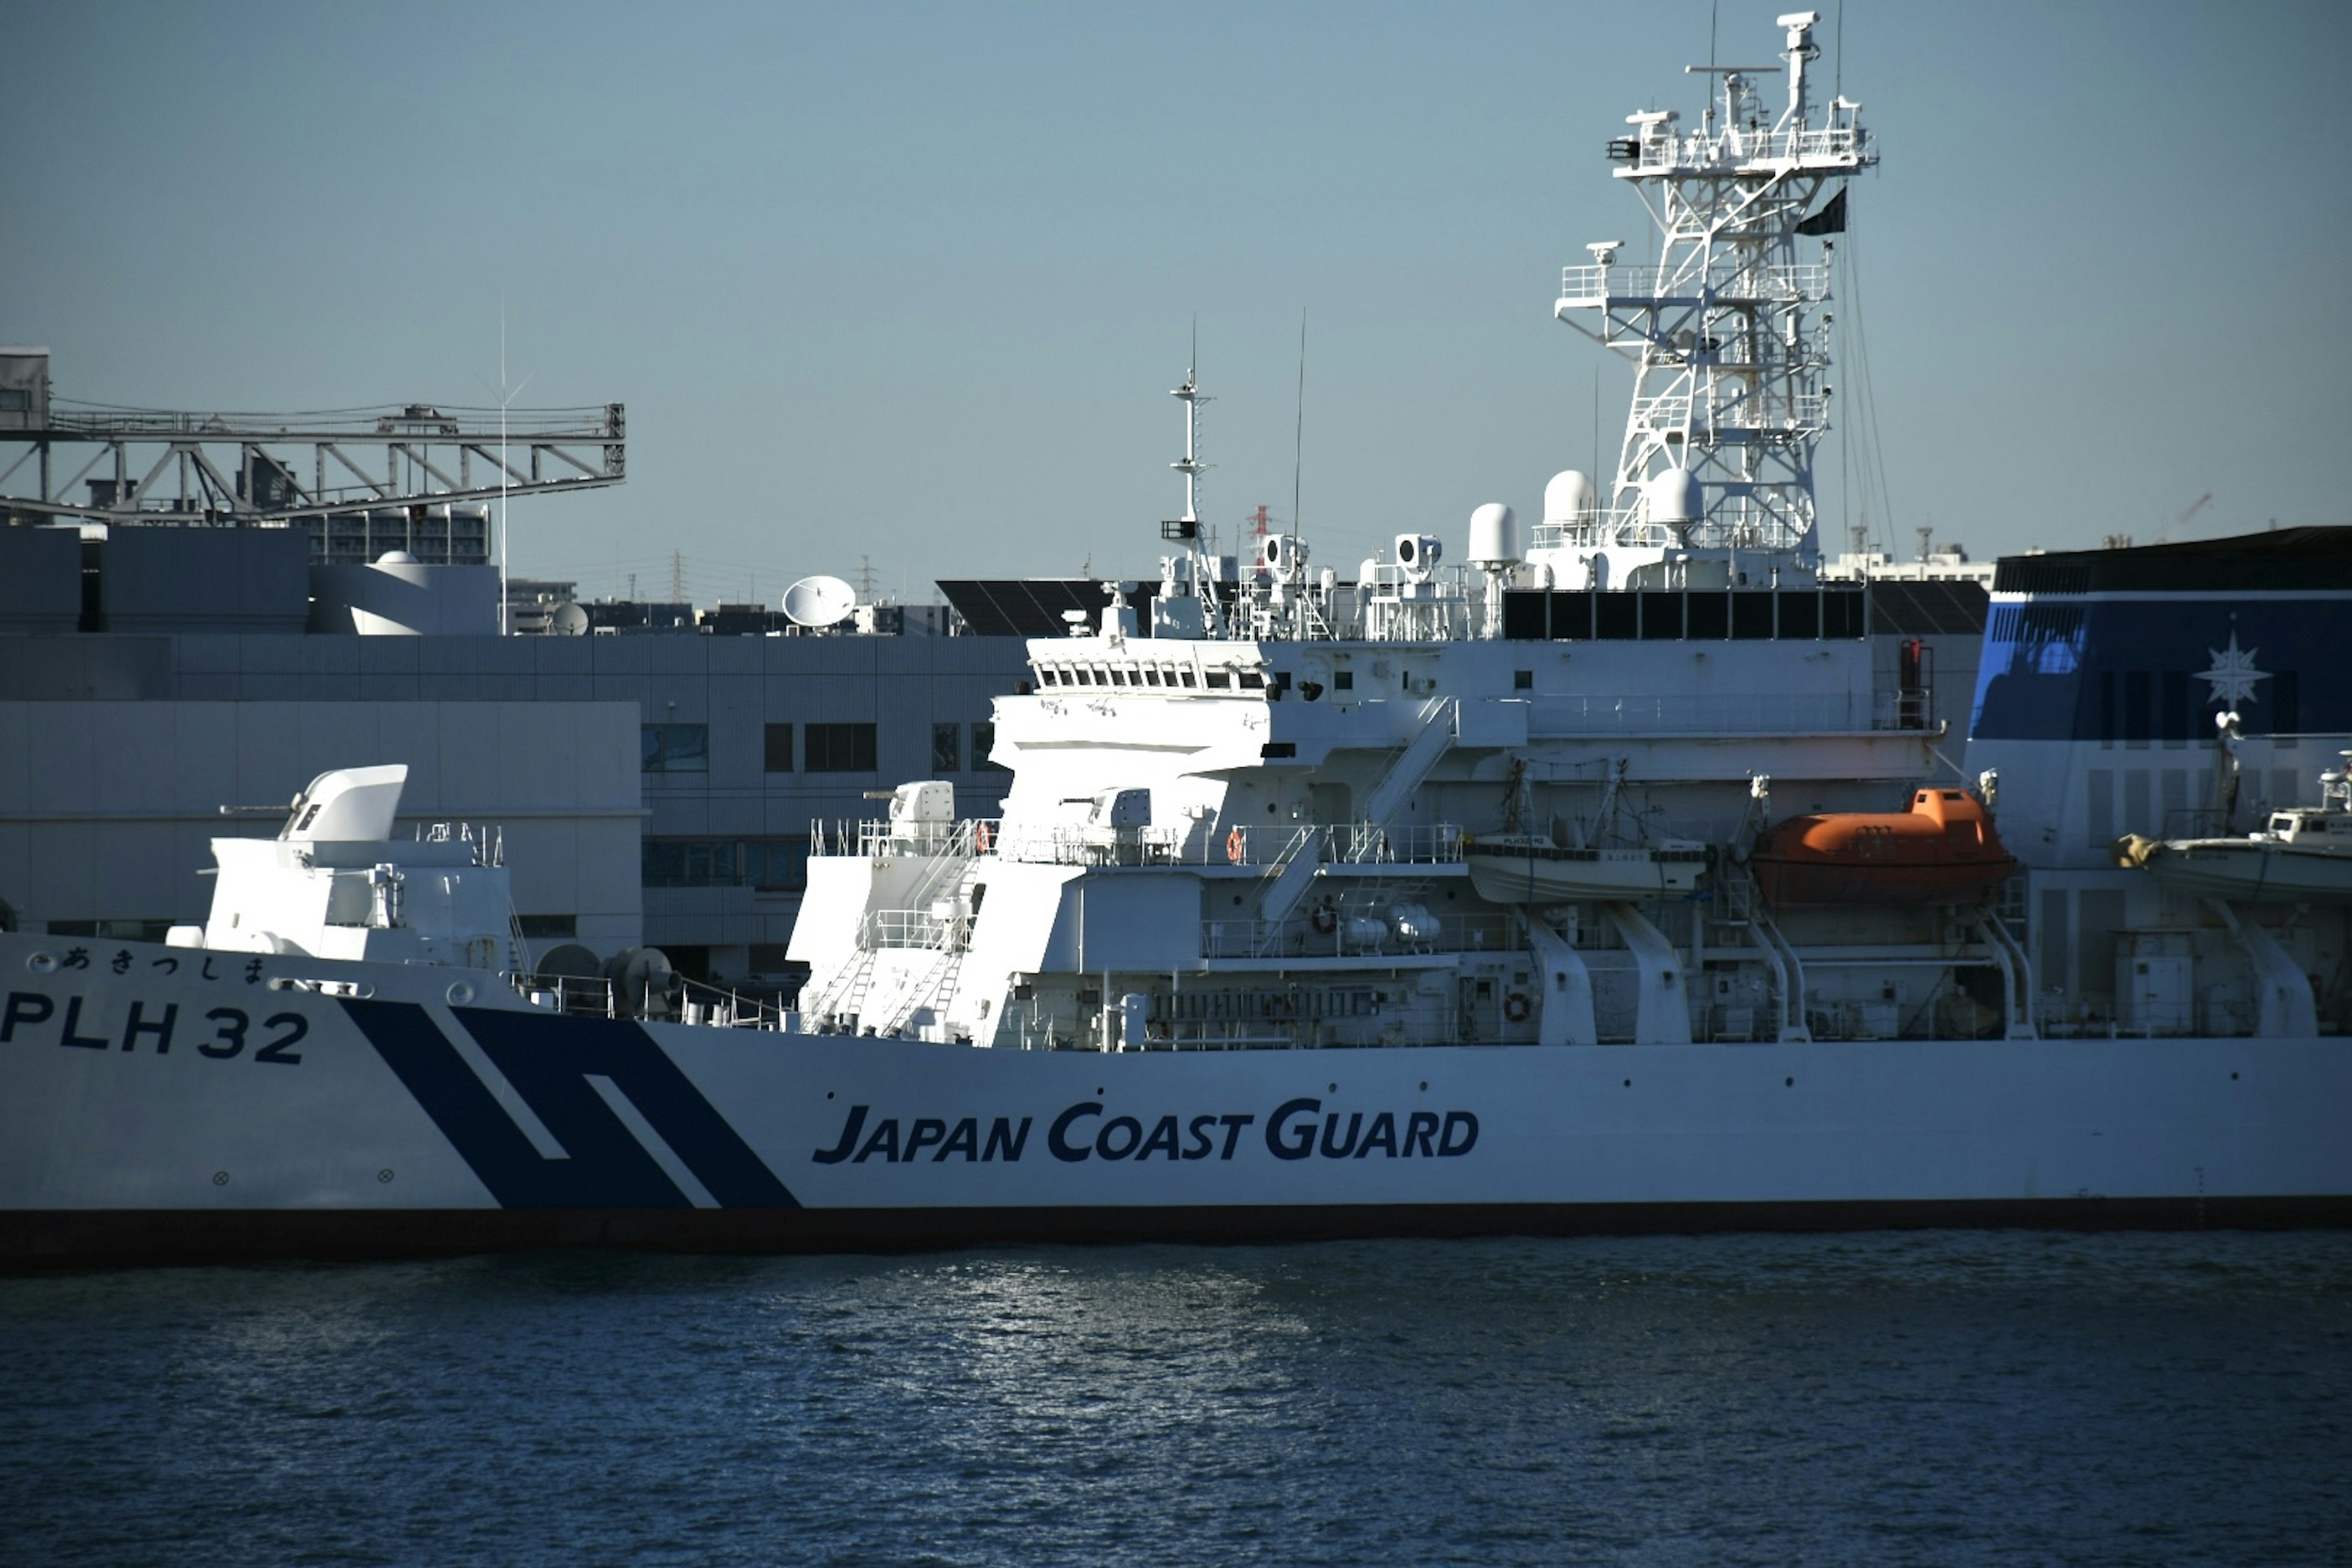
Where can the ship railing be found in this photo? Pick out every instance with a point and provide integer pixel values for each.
(1297, 936)
(1355, 843)
(1664, 152)
(916, 929)
(873, 839)
(1769, 410)
(1420, 844)
(1092, 845)
(1595, 286)
(568, 994)
(1710, 714)
(1631, 525)
(718, 1007)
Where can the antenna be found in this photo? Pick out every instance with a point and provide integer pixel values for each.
(505, 395)
(1191, 466)
(1298, 435)
(1198, 544)
(677, 576)
(1837, 76)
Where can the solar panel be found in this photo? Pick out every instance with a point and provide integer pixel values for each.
(1928, 608)
(1034, 606)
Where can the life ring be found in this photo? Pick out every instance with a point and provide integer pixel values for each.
(1326, 919)
(984, 838)
(1237, 847)
(1516, 1007)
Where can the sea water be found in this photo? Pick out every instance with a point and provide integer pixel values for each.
(1932, 1397)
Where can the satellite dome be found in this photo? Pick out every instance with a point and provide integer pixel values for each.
(1494, 536)
(1672, 495)
(395, 558)
(1568, 496)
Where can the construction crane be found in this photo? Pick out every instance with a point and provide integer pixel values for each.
(2199, 504)
(146, 465)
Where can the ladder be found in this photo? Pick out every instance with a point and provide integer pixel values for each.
(1432, 734)
(847, 993)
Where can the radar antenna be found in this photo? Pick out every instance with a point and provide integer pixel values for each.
(1729, 331)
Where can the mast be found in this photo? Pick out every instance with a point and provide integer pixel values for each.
(1192, 575)
(1729, 332)
(1191, 466)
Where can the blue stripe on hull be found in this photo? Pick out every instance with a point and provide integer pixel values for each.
(548, 1060)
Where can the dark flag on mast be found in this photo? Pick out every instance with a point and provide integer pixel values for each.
(1831, 219)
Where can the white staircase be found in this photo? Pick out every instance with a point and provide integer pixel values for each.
(1294, 874)
(842, 999)
(1433, 733)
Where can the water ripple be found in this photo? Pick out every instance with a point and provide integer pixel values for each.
(1895, 1398)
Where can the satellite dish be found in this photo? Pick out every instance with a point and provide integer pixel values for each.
(819, 600)
(567, 620)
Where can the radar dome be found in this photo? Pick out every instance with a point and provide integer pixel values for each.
(1568, 496)
(395, 558)
(1672, 495)
(1494, 536)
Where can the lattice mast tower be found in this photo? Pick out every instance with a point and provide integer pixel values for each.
(1730, 333)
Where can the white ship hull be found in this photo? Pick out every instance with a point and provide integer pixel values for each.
(1547, 876)
(2253, 872)
(265, 1123)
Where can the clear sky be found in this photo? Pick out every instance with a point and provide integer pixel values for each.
(912, 281)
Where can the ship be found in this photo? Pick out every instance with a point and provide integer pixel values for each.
(1452, 897)
(2303, 854)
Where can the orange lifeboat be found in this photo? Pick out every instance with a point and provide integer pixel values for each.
(1942, 851)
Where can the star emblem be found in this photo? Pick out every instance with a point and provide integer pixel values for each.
(2234, 674)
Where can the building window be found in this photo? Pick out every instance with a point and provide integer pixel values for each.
(675, 748)
(772, 865)
(780, 748)
(946, 748)
(984, 742)
(539, 927)
(838, 748)
(777, 865)
(1523, 681)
